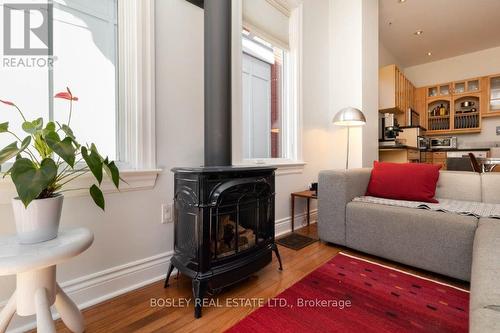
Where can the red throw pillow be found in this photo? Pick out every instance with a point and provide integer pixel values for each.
(404, 181)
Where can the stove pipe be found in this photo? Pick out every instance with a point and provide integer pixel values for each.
(218, 83)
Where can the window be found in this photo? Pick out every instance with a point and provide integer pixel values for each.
(85, 59)
(104, 51)
(267, 91)
(265, 69)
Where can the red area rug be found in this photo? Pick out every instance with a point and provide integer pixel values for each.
(381, 300)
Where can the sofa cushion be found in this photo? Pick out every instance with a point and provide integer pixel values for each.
(435, 241)
(459, 185)
(485, 278)
(490, 184)
(404, 181)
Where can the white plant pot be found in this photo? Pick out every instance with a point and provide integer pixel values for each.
(40, 221)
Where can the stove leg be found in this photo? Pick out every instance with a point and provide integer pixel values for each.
(170, 269)
(275, 249)
(199, 288)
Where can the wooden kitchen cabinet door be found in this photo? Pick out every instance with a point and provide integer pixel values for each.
(421, 105)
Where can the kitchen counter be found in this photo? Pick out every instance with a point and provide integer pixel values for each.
(456, 149)
(414, 126)
(395, 147)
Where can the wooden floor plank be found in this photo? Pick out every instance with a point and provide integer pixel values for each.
(132, 312)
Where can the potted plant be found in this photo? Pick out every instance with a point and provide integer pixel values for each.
(46, 160)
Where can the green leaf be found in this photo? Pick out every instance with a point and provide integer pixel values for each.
(50, 127)
(94, 163)
(97, 196)
(33, 126)
(30, 180)
(4, 127)
(112, 172)
(68, 131)
(26, 142)
(28, 127)
(11, 150)
(41, 146)
(8, 152)
(64, 148)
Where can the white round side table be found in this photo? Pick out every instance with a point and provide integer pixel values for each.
(36, 286)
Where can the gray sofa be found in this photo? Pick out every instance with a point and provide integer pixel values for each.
(461, 247)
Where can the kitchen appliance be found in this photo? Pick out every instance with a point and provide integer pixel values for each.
(412, 118)
(423, 143)
(390, 127)
(443, 142)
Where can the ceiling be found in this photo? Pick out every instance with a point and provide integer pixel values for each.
(450, 28)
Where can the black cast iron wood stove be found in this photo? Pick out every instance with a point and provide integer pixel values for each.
(224, 215)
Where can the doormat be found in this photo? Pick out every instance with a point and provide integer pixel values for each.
(295, 241)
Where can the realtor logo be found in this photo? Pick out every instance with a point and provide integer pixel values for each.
(27, 29)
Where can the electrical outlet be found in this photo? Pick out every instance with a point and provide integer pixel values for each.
(498, 130)
(166, 213)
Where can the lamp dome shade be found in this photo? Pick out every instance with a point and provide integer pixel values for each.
(349, 117)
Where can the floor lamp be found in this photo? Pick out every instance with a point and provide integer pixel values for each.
(349, 117)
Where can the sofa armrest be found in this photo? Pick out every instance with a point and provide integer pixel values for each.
(336, 189)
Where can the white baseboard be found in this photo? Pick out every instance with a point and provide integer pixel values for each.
(284, 225)
(98, 287)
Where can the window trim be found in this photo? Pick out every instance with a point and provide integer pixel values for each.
(136, 84)
(135, 180)
(294, 146)
(136, 140)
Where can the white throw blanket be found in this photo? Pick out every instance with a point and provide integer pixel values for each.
(471, 208)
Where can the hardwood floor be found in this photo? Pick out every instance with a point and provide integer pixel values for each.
(132, 312)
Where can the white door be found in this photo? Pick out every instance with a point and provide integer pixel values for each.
(256, 107)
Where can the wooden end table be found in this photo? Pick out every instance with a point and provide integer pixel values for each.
(307, 195)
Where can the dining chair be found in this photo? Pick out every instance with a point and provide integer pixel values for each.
(474, 163)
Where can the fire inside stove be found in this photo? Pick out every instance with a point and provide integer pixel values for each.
(232, 238)
(241, 220)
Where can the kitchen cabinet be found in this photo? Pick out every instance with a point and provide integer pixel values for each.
(467, 86)
(442, 90)
(399, 155)
(454, 107)
(436, 157)
(492, 105)
(396, 93)
(421, 105)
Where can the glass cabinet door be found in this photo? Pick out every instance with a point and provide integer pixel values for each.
(432, 92)
(473, 85)
(495, 93)
(459, 88)
(444, 90)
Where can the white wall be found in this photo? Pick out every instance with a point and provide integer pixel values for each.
(370, 67)
(354, 72)
(385, 57)
(322, 143)
(466, 66)
(129, 239)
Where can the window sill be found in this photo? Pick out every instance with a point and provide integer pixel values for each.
(284, 167)
(135, 180)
